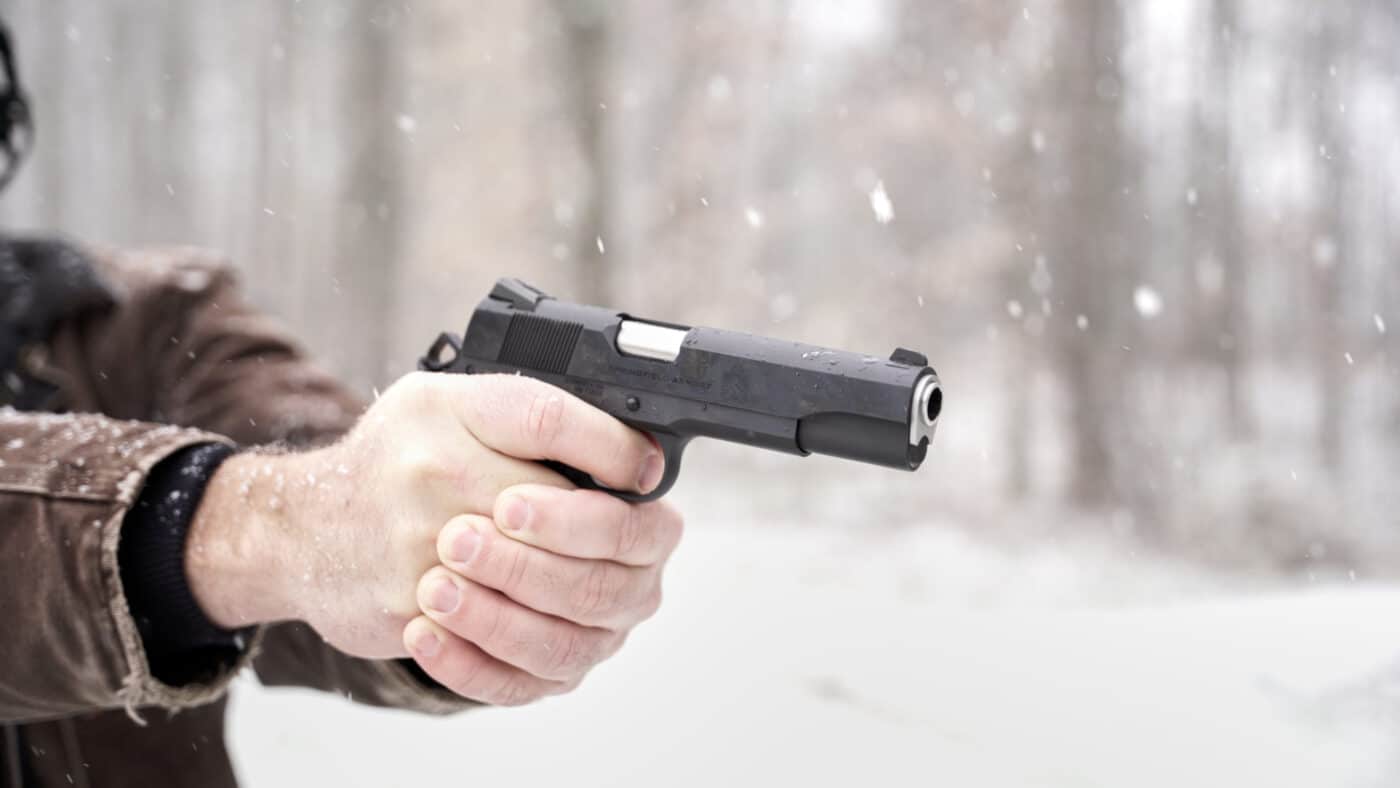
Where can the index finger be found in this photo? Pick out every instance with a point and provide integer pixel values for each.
(589, 524)
(532, 420)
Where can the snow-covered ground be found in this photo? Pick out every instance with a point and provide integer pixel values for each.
(819, 655)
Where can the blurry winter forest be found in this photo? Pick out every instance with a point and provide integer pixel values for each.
(1152, 248)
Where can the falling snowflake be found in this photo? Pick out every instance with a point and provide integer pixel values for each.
(880, 203)
(1324, 251)
(1014, 308)
(1380, 323)
(782, 307)
(754, 217)
(407, 123)
(719, 88)
(1147, 301)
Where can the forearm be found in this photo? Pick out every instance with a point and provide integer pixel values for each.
(243, 540)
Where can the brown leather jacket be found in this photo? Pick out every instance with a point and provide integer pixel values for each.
(178, 359)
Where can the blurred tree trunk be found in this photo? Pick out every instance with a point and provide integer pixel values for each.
(49, 76)
(1384, 15)
(368, 227)
(94, 117)
(1197, 248)
(1021, 200)
(274, 179)
(1020, 379)
(584, 64)
(1391, 243)
(1084, 229)
(1330, 245)
(163, 165)
(1218, 218)
(1388, 14)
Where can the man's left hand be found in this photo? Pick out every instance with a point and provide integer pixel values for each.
(528, 600)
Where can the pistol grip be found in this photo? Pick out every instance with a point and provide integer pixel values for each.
(672, 447)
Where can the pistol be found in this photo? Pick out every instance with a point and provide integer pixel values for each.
(679, 382)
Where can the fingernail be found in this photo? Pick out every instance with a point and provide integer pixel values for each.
(444, 597)
(426, 643)
(463, 545)
(517, 514)
(650, 476)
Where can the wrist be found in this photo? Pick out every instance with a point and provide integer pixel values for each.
(242, 543)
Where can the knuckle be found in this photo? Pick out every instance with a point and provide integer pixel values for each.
(420, 465)
(515, 691)
(650, 602)
(412, 382)
(397, 609)
(615, 645)
(607, 646)
(596, 595)
(563, 688)
(671, 529)
(627, 450)
(544, 420)
(518, 570)
(629, 533)
(466, 682)
(416, 387)
(494, 624)
(568, 654)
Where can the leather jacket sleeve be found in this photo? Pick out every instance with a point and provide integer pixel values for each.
(179, 347)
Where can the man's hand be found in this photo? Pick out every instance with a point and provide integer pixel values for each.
(527, 602)
(340, 537)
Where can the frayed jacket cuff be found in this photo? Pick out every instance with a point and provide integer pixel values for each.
(66, 485)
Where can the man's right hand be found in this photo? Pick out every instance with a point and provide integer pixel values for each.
(339, 537)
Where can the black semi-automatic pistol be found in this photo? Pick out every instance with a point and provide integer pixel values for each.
(678, 383)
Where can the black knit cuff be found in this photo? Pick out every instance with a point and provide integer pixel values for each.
(182, 645)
